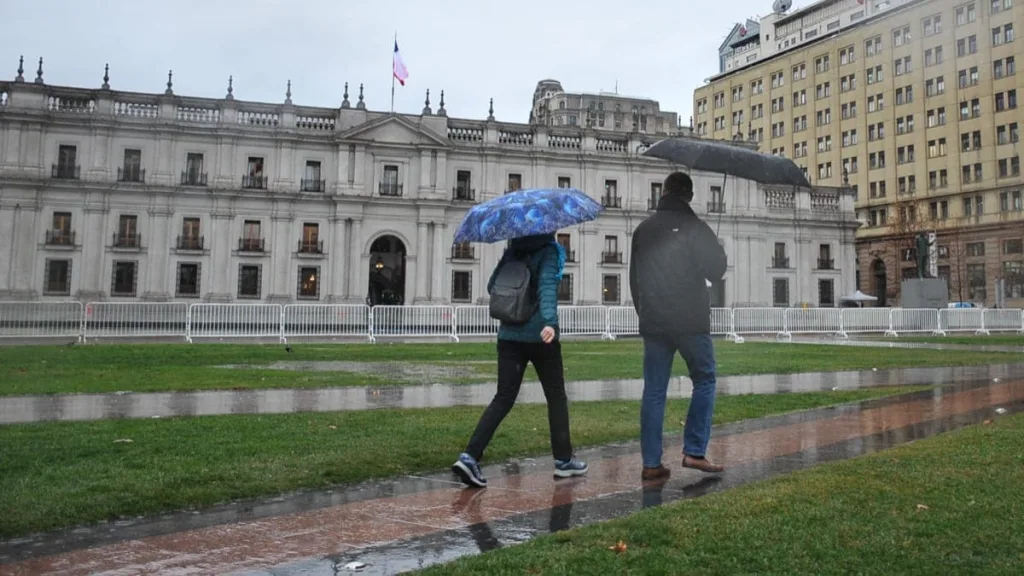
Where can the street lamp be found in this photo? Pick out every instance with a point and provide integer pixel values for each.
(379, 265)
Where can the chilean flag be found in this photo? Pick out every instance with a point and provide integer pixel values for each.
(398, 67)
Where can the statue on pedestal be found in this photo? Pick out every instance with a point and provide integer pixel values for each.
(923, 244)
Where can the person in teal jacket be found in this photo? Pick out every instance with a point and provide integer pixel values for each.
(536, 342)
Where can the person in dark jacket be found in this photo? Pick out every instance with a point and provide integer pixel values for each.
(535, 342)
(673, 253)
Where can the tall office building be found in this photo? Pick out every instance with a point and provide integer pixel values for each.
(913, 104)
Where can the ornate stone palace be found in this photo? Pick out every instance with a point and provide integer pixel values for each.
(123, 196)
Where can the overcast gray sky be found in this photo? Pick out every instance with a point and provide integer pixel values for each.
(472, 49)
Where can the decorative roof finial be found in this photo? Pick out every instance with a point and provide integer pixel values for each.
(344, 102)
(21, 70)
(170, 83)
(490, 112)
(426, 104)
(441, 111)
(288, 93)
(361, 105)
(106, 77)
(231, 88)
(39, 72)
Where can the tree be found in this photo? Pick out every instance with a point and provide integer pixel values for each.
(907, 223)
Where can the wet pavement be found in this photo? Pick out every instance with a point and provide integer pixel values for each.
(893, 343)
(414, 522)
(84, 407)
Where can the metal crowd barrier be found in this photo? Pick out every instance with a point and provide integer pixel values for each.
(204, 321)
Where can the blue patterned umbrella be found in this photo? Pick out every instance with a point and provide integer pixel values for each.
(525, 213)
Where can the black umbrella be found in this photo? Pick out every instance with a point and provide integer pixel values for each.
(730, 160)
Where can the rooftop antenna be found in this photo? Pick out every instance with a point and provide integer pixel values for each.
(616, 85)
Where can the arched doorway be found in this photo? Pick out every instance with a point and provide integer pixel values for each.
(387, 272)
(881, 281)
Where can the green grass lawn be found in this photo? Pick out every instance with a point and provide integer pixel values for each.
(158, 367)
(947, 505)
(969, 340)
(60, 474)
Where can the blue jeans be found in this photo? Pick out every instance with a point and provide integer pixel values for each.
(699, 353)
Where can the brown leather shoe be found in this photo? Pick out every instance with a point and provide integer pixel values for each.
(655, 473)
(701, 464)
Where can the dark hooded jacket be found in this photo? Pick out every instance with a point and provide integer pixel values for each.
(546, 262)
(673, 253)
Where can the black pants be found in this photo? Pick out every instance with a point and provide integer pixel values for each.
(512, 359)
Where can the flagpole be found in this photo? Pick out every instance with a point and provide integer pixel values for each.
(393, 72)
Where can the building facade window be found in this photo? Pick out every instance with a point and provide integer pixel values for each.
(187, 283)
(610, 289)
(57, 278)
(124, 279)
(462, 286)
(250, 281)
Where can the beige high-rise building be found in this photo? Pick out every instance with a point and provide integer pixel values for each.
(913, 103)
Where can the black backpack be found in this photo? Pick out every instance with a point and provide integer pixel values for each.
(514, 298)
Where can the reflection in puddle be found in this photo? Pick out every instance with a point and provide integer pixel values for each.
(79, 407)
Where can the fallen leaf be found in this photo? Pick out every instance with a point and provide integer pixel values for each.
(123, 441)
(333, 427)
(619, 548)
(921, 507)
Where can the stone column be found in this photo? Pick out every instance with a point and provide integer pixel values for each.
(222, 244)
(23, 278)
(281, 260)
(426, 169)
(7, 234)
(92, 238)
(338, 261)
(356, 288)
(437, 269)
(422, 270)
(589, 258)
(627, 295)
(156, 243)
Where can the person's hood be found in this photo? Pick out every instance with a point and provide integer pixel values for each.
(531, 243)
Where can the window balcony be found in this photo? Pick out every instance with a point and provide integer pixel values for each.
(389, 189)
(780, 263)
(254, 182)
(652, 203)
(128, 241)
(251, 245)
(570, 256)
(826, 264)
(311, 247)
(307, 185)
(463, 253)
(195, 243)
(716, 207)
(611, 257)
(131, 174)
(60, 238)
(66, 171)
(611, 202)
(193, 178)
(463, 194)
